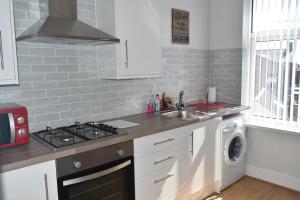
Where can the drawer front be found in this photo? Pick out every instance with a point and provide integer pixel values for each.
(164, 184)
(160, 185)
(153, 162)
(157, 142)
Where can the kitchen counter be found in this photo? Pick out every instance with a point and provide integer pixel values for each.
(36, 152)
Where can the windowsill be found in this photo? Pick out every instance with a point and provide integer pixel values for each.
(278, 127)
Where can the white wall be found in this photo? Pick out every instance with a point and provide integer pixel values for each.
(198, 22)
(225, 24)
(274, 156)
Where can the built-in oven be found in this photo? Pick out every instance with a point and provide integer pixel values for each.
(102, 174)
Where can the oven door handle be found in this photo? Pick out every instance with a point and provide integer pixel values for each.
(96, 175)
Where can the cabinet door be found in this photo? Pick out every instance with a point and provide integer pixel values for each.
(138, 27)
(8, 59)
(37, 182)
(204, 161)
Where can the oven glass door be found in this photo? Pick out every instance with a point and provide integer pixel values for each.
(7, 129)
(114, 181)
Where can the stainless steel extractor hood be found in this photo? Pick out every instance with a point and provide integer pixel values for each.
(62, 26)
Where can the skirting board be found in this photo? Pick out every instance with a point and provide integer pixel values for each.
(274, 177)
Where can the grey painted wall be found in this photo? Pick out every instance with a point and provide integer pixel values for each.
(60, 84)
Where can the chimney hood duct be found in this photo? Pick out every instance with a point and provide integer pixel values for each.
(62, 26)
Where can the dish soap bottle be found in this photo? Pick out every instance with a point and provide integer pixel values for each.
(150, 107)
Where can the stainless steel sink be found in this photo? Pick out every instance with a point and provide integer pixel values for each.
(185, 115)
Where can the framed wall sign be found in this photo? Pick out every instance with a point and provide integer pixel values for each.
(180, 26)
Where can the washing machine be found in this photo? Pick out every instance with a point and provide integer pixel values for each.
(234, 146)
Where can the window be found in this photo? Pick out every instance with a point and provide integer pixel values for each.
(275, 60)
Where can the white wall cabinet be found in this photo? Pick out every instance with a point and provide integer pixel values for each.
(137, 24)
(182, 163)
(8, 57)
(36, 182)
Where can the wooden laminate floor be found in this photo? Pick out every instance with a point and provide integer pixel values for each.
(252, 189)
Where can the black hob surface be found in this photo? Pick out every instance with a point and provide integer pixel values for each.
(77, 133)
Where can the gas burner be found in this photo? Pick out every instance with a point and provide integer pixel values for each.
(76, 133)
(53, 131)
(66, 138)
(104, 127)
(97, 133)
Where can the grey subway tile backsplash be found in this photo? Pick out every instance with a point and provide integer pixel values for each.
(44, 85)
(67, 68)
(75, 92)
(56, 76)
(225, 73)
(66, 52)
(79, 75)
(68, 83)
(58, 108)
(47, 117)
(42, 52)
(69, 99)
(32, 94)
(30, 77)
(42, 68)
(46, 101)
(58, 92)
(30, 60)
(56, 60)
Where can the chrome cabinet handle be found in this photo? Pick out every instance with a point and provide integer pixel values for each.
(46, 186)
(163, 160)
(1, 53)
(126, 49)
(162, 179)
(192, 149)
(164, 141)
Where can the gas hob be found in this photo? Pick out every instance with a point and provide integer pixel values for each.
(74, 134)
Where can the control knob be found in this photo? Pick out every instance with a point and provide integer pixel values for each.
(77, 164)
(120, 152)
(21, 132)
(20, 120)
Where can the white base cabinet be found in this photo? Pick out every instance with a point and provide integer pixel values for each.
(182, 163)
(8, 57)
(137, 24)
(36, 182)
(204, 163)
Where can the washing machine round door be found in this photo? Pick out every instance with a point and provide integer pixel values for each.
(235, 148)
